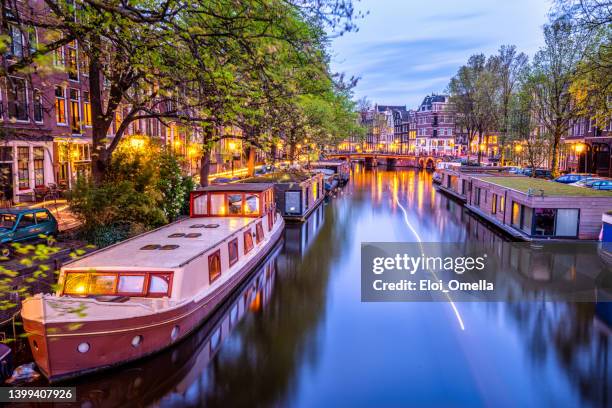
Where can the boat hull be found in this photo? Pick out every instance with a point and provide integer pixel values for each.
(55, 345)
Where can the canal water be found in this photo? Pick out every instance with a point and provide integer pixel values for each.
(297, 334)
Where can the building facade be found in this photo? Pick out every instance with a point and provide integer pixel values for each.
(435, 123)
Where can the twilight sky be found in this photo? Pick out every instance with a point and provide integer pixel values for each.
(406, 49)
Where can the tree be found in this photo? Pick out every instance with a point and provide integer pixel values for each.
(553, 72)
(508, 67)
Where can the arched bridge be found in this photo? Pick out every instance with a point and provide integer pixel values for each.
(423, 161)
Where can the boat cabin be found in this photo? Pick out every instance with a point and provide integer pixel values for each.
(231, 200)
(340, 167)
(179, 259)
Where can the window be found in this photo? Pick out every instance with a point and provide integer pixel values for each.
(214, 266)
(526, 222)
(159, 284)
(131, 284)
(516, 215)
(39, 166)
(234, 203)
(477, 196)
(494, 204)
(76, 283)
(16, 42)
(567, 222)
(58, 57)
(27, 220)
(75, 117)
(72, 63)
(544, 221)
(200, 205)
(217, 204)
(86, 109)
(60, 105)
(23, 174)
(17, 99)
(252, 205)
(38, 106)
(259, 234)
(84, 60)
(42, 216)
(102, 284)
(248, 241)
(502, 204)
(232, 250)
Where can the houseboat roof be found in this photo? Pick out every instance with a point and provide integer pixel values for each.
(523, 184)
(130, 254)
(254, 187)
(291, 176)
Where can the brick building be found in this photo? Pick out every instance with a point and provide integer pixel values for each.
(435, 124)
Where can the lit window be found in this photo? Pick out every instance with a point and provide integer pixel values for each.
(259, 234)
(76, 283)
(252, 205)
(60, 105)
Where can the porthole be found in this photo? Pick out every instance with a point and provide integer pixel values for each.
(198, 226)
(176, 235)
(136, 341)
(175, 332)
(83, 347)
(212, 226)
(168, 247)
(150, 247)
(193, 235)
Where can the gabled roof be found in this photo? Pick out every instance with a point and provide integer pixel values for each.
(384, 108)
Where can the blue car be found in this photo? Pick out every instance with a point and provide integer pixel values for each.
(572, 177)
(17, 225)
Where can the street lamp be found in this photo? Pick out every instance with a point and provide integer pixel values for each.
(580, 147)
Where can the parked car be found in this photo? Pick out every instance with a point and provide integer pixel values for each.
(17, 225)
(515, 170)
(584, 181)
(573, 177)
(600, 184)
(539, 173)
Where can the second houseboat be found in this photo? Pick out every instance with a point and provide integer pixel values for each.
(140, 296)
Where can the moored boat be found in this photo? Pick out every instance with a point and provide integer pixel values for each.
(341, 168)
(140, 296)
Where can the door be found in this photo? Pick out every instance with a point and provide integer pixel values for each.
(6, 183)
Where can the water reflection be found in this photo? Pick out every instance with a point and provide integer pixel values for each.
(307, 339)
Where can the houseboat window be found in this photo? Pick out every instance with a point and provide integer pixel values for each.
(526, 221)
(159, 284)
(131, 284)
(494, 204)
(544, 221)
(502, 204)
(477, 196)
(252, 205)
(217, 204)
(248, 241)
(292, 202)
(234, 203)
(516, 215)
(214, 266)
(200, 205)
(259, 232)
(102, 284)
(232, 250)
(76, 283)
(567, 222)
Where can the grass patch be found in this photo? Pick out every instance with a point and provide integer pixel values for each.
(550, 188)
(292, 176)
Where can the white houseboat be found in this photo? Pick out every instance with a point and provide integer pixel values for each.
(139, 296)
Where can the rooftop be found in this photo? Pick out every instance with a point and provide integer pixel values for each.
(129, 255)
(550, 188)
(293, 176)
